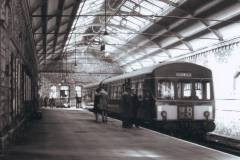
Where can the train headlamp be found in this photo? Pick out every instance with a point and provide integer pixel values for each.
(164, 114)
(206, 114)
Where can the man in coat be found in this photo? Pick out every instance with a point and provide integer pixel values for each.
(96, 108)
(126, 108)
(103, 104)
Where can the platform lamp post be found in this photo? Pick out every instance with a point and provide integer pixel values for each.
(105, 33)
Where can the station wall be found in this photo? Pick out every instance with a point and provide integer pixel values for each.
(223, 60)
(72, 80)
(18, 67)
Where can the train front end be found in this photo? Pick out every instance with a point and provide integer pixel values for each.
(184, 98)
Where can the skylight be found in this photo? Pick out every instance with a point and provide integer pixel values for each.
(127, 19)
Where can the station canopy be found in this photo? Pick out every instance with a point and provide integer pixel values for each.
(117, 36)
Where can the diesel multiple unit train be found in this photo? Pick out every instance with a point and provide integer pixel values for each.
(174, 96)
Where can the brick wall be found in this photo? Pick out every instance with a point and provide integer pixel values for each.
(223, 60)
(16, 58)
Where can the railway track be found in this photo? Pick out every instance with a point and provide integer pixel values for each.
(217, 142)
(225, 144)
(214, 141)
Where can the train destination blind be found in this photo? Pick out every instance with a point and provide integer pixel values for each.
(183, 74)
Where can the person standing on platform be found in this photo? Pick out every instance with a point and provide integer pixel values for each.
(96, 109)
(126, 108)
(103, 104)
(46, 101)
(135, 105)
(51, 102)
(78, 101)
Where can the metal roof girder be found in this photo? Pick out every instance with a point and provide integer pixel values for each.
(44, 19)
(58, 22)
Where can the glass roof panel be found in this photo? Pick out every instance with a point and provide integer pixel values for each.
(129, 4)
(125, 9)
(136, 21)
(132, 25)
(158, 3)
(122, 27)
(113, 39)
(110, 48)
(115, 21)
(91, 6)
(150, 7)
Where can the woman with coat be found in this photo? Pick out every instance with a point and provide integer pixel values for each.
(96, 109)
(126, 108)
(103, 104)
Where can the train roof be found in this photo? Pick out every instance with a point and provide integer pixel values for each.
(143, 71)
(91, 85)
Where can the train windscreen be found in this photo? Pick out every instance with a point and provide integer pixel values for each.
(165, 89)
(196, 90)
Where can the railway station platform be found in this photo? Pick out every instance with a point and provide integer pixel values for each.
(74, 135)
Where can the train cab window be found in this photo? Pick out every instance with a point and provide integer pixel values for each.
(202, 90)
(208, 90)
(166, 89)
(184, 90)
(198, 90)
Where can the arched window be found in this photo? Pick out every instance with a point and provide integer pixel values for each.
(53, 92)
(78, 91)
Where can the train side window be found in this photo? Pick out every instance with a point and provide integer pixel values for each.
(114, 92)
(119, 91)
(111, 92)
(140, 90)
(166, 89)
(134, 88)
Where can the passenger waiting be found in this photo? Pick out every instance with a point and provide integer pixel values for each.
(96, 109)
(45, 101)
(103, 104)
(51, 102)
(126, 108)
(135, 106)
(78, 101)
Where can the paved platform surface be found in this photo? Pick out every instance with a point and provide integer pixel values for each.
(74, 135)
